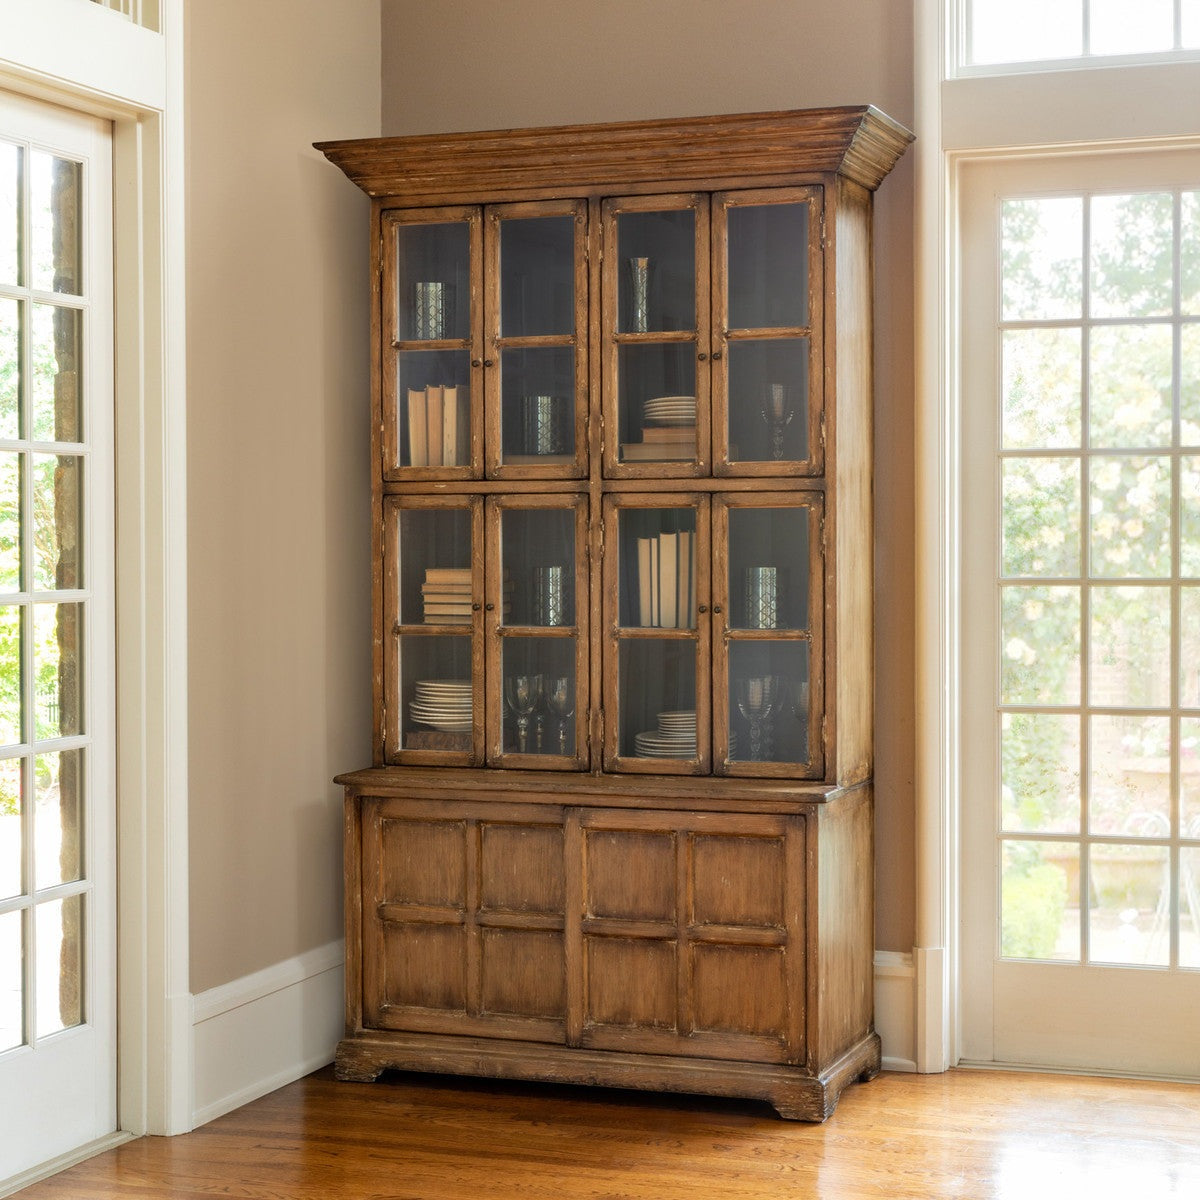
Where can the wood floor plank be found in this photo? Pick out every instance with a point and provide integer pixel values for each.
(965, 1134)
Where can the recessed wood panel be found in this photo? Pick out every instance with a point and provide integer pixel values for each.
(521, 868)
(630, 875)
(425, 966)
(631, 981)
(739, 989)
(524, 973)
(423, 862)
(738, 881)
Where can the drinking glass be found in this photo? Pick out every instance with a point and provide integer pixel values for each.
(524, 694)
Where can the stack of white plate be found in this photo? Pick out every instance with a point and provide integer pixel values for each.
(671, 410)
(443, 703)
(675, 737)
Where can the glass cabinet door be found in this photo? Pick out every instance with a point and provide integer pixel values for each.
(767, 606)
(656, 333)
(432, 315)
(433, 621)
(767, 372)
(656, 682)
(537, 622)
(536, 377)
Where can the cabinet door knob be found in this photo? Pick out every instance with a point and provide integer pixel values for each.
(702, 608)
(476, 362)
(716, 355)
(716, 608)
(490, 607)
(476, 606)
(487, 362)
(702, 357)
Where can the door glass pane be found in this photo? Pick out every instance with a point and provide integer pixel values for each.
(1130, 915)
(1189, 769)
(1042, 255)
(57, 637)
(537, 394)
(10, 367)
(1190, 232)
(657, 409)
(1039, 645)
(1041, 517)
(10, 674)
(1131, 647)
(769, 701)
(1129, 793)
(1131, 517)
(54, 394)
(1039, 773)
(768, 266)
(10, 521)
(539, 695)
(435, 693)
(768, 568)
(433, 269)
(58, 825)
(434, 391)
(1130, 381)
(1039, 900)
(538, 553)
(11, 160)
(11, 805)
(57, 521)
(1189, 382)
(1189, 907)
(537, 276)
(55, 195)
(1131, 248)
(434, 554)
(59, 988)
(658, 568)
(12, 992)
(657, 699)
(1042, 396)
(656, 264)
(768, 399)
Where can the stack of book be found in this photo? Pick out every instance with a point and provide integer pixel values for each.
(439, 427)
(446, 596)
(666, 577)
(668, 431)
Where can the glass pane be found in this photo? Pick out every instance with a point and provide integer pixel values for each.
(1130, 383)
(768, 702)
(768, 266)
(57, 521)
(58, 826)
(1025, 30)
(11, 804)
(1189, 908)
(11, 158)
(1115, 29)
(57, 635)
(1130, 917)
(1190, 248)
(1131, 517)
(1130, 788)
(55, 193)
(1131, 637)
(10, 367)
(1189, 382)
(54, 396)
(656, 266)
(1189, 514)
(658, 566)
(12, 989)
(768, 568)
(1041, 516)
(1039, 901)
(768, 400)
(434, 394)
(537, 276)
(10, 674)
(1039, 783)
(59, 986)
(537, 393)
(434, 552)
(1039, 644)
(538, 553)
(1189, 647)
(1191, 23)
(657, 402)
(1189, 773)
(539, 695)
(10, 522)
(657, 700)
(433, 270)
(436, 707)
(1042, 389)
(1042, 254)
(1132, 248)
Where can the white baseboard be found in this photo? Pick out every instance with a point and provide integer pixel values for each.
(265, 1030)
(895, 1009)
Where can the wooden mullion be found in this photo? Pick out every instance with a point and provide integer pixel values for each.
(473, 935)
(780, 333)
(685, 1008)
(493, 671)
(575, 969)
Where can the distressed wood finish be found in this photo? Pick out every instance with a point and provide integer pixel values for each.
(590, 916)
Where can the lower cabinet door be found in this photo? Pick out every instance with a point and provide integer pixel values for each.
(463, 918)
(691, 933)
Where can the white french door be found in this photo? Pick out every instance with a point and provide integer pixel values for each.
(57, 791)
(1080, 820)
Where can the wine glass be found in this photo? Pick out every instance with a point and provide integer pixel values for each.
(756, 698)
(777, 411)
(524, 694)
(560, 700)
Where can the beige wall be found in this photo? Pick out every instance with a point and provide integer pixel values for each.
(487, 64)
(278, 532)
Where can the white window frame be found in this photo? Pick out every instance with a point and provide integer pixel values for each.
(1041, 111)
(76, 54)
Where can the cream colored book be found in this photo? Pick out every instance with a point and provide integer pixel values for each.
(687, 598)
(418, 444)
(668, 579)
(433, 400)
(450, 427)
(644, 594)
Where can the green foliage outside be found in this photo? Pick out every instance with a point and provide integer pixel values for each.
(1035, 900)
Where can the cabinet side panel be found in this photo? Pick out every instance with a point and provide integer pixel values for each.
(849, 521)
(844, 850)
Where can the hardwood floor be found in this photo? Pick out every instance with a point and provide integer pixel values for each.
(968, 1134)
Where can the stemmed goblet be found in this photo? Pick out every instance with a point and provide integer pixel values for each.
(524, 694)
(777, 411)
(757, 698)
(560, 700)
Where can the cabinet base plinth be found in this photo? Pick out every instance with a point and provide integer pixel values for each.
(793, 1092)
